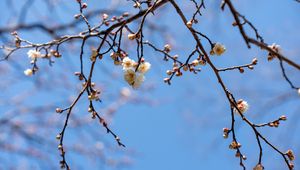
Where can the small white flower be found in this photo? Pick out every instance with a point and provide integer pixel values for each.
(129, 76)
(127, 63)
(167, 48)
(144, 67)
(134, 79)
(132, 36)
(219, 49)
(275, 47)
(28, 72)
(138, 81)
(137, 5)
(195, 62)
(105, 16)
(33, 54)
(242, 105)
(189, 24)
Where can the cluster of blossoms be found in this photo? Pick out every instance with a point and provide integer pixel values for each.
(275, 48)
(134, 72)
(218, 49)
(34, 55)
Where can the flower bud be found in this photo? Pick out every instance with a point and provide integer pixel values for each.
(58, 137)
(189, 24)
(84, 5)
(290, 155)
(258, 167)
(104, 16)
(131, 36)
(167, 48)
(254, 61)
(58, 110)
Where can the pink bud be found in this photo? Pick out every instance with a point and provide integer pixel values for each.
(84, 5)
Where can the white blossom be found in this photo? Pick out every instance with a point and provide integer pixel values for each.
(105, 16)
(33, 54)
(134, 79)
(138, 81)
(219, 49)
(242, 105)
(167, 48)
(144, 67)
(189, 24)
(129, 76)
(28, 72)
(127, 63)
(131, 36)
(275, 47)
